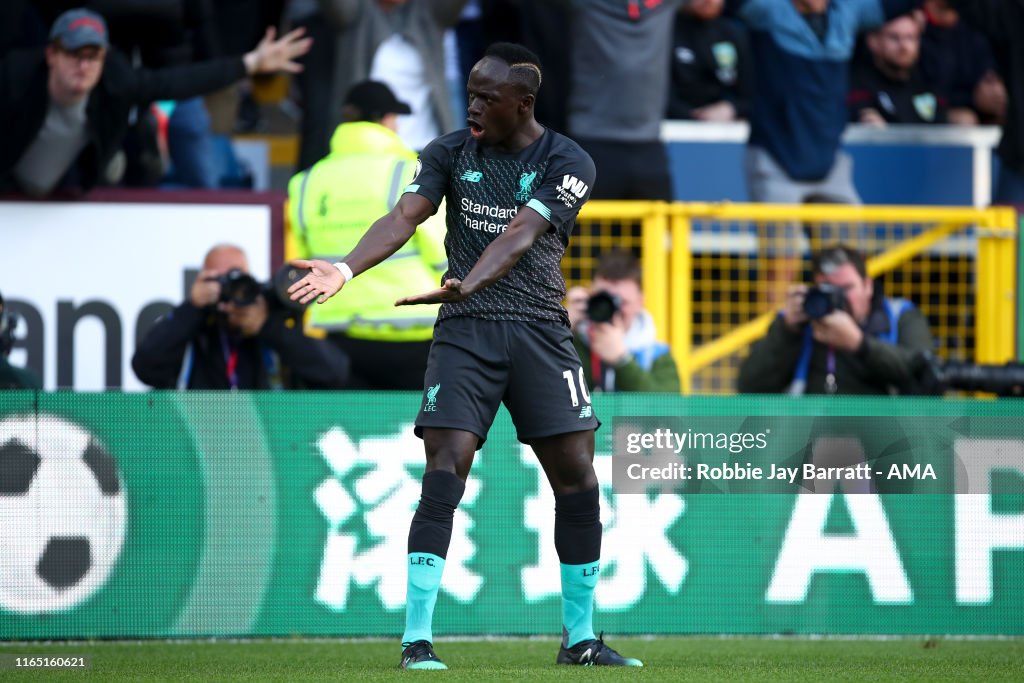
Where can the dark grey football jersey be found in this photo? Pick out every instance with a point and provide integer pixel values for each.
(484, 189)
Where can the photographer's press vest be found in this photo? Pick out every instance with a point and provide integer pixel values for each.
(894, 309)
(333, 204)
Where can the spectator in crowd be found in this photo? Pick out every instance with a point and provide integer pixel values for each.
(228, 336)
(332, 205)
(802, 49)
(318, 119)
(236, 25)
(958, 60)
(843, 337)
(619, 91)
(11, 376)
(711, 65)
(158, 35)
(399, 42)
(1001, 21)
(613, 334)
(67, 105)
(890, 87)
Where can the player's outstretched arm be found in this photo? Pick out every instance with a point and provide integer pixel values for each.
(494, 263)
(384, 238)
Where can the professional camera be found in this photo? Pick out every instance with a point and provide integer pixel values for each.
(242, 289)
(602, 307)
(935, 376)
(821, 300)
(239, 288)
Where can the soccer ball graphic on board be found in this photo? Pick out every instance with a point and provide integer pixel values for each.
(63, 513)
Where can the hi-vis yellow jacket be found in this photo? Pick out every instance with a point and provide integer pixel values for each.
(334, 202)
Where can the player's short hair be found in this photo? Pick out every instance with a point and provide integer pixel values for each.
(618, 265)
(832, 257)
(523, 64)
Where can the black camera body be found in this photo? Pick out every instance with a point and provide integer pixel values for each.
(823, 299)
(242, 289)
(602, 307)
(239, 288)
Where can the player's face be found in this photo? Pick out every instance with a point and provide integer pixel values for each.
(496, 108)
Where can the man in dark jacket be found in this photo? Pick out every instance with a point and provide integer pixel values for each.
(66, 107)
(1001, 22)
(867, 344)
(12, 376)
(711, 65)
(228, 340)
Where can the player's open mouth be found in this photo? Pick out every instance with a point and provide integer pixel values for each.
(475, 129)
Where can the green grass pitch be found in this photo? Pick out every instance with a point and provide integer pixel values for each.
(480, 661)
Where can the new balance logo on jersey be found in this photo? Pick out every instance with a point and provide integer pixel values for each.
(586, 412)
(431, 406)
(574, 185)
(472, 176)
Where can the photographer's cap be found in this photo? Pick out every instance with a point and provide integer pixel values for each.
(374, 99)
(78, 28)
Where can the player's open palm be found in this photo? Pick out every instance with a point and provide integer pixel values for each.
(321, 282)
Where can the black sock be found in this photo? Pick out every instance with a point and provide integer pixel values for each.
(431, 528)
(578, 527)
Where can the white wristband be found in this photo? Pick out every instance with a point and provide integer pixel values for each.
(345, 270)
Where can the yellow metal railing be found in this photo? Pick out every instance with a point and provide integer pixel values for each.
(713, 272)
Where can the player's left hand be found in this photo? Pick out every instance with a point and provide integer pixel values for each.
(451, 292)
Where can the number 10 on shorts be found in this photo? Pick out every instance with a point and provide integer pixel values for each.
(571, 381)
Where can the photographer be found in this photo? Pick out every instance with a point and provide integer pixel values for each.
(614, 336)
(11, 376)
(839, 337)
(230, 335)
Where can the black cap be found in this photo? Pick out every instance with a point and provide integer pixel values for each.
(374, 99)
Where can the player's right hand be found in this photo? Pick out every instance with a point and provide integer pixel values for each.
(321, 282)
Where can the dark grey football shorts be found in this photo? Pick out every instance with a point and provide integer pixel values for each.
(532, 367)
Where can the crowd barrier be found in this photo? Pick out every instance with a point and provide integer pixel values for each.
(277, 514)
(714, 275)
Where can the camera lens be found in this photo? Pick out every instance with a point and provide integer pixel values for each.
(821, 300)
(602, 307)
(816, 304)
(239, 288)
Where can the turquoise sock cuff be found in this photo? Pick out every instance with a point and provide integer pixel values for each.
(578, 584)
(425, 570)
(580, 575)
